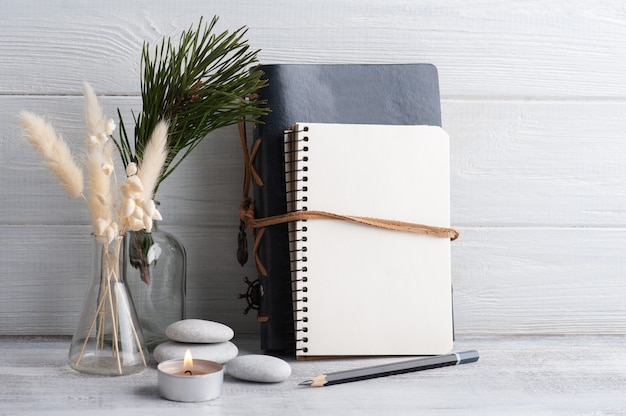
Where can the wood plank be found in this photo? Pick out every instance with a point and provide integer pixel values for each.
(574, 375)
(539, 281)
(204, 189)
(504, 49)
(46, 271)
(506, 280)
(513, 163)
(553, 163)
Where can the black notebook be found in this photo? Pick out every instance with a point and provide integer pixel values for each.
(394, 94)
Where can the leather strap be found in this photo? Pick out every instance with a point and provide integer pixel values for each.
(248, 220)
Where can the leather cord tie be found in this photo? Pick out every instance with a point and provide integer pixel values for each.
(258, 225)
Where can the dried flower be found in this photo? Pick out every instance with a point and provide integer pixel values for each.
(55, 152)
(100, 166)
(94, 114)
(137, 209)
(131, 169)
(154, 156)
(107, 168)
(109, 127)
(92, 140)
(99, 193)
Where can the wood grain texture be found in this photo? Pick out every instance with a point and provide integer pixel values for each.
(534, 99)
(573, 375)
(506, 280)
(206, 189)
(43, 293)
(539, 281)
(514, 163)
(537, 163)
(504, 49)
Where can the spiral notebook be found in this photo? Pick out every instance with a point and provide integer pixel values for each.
(359, 289)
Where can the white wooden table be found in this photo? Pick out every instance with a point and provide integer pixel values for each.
(569, 375)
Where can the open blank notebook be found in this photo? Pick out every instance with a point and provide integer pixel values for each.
(359, 289)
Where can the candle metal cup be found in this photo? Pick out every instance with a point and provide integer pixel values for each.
(203, 384)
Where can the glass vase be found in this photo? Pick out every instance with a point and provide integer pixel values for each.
(108, 339)
(156, 271)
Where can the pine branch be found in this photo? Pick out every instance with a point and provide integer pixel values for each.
(198, 85)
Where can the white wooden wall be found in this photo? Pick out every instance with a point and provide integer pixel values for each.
(533, 96)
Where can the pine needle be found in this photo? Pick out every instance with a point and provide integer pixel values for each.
(55, 152)
(198, 85)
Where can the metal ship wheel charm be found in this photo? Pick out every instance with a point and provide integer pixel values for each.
(253, 295)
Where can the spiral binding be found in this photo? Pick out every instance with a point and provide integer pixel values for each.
(296, 171)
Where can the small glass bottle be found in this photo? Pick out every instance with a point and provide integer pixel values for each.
(155, 269)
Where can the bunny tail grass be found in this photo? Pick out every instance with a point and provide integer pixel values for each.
(94, 114)
(100, 198)
(154, 156)
(55, 152)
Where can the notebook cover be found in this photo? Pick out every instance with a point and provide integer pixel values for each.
(362, 289)
(355, 94)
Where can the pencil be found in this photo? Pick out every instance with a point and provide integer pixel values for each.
(392, 369)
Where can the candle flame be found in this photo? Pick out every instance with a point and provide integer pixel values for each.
(187, 361)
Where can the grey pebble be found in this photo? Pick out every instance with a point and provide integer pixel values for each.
(199, 331)
(259, 368)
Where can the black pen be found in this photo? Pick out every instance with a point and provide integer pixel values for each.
(393, 368)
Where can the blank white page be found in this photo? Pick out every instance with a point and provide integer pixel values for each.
(370, 291)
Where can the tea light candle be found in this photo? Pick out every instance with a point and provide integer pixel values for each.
(190, 380)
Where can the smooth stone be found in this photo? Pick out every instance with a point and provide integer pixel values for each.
(199, 331)
(259, 368)
(221, 352)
